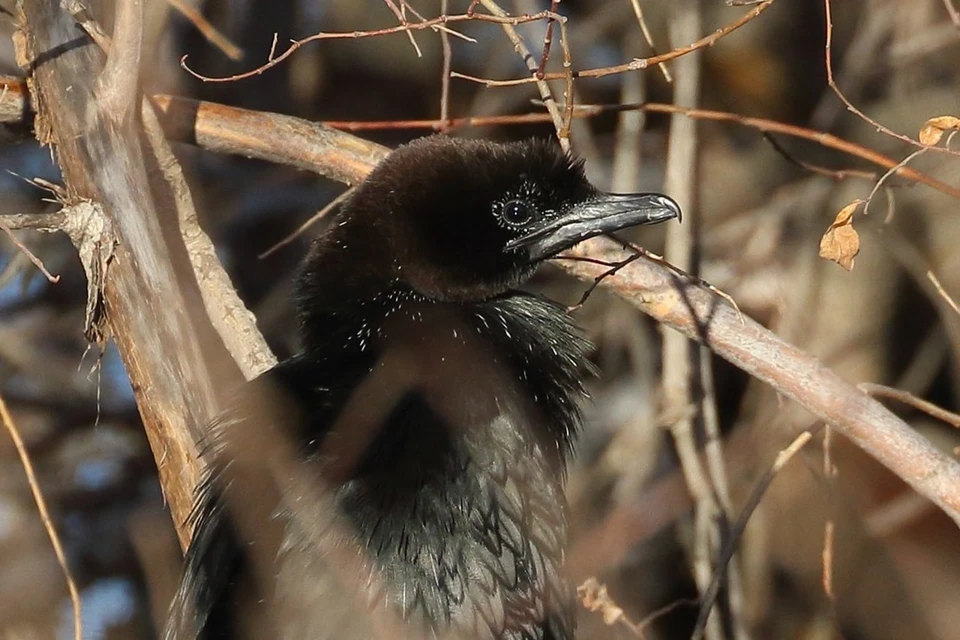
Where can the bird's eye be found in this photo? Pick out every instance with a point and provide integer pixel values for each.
(516, 213)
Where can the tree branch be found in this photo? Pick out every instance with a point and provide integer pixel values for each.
(139, 298)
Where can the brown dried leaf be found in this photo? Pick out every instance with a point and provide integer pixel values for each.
(934, 128)
(841, 242)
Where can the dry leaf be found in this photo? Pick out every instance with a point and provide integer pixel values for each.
(934, 128)
(841, 242)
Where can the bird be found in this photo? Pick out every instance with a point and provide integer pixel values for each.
(407, 466)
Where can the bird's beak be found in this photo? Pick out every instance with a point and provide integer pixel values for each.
(604, 213)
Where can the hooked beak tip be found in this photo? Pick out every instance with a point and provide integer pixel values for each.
(670, 209)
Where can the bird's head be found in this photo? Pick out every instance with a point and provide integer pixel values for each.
(462, 220)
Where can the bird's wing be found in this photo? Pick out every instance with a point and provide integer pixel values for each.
(236, 504)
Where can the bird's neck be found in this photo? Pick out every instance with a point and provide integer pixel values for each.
(534, 341)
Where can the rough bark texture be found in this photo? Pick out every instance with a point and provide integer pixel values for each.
(142, 305)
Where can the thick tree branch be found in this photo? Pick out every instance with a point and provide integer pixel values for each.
(700, 314)
(139, 297)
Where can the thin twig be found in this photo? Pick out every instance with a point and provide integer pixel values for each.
(445, 73)
(595, 598)
(681, 387)
(710, 596)
(319, 215)
(636, 64)
(852, 108)
(824, 139)
(600, 278)
(546, 94)
(883, 391)
(44, 516)
(403, 21)
(828, 530)
(952, 12)
(433, 23)
(637, 11)
(717, 470)
(568, 93)
(547, 41)
(406, 6)
(627, 148)
(833, 174)
(441, 125)
(602, 263)
(33, 258)
(885, 176)
(943, 292)
(207, 30)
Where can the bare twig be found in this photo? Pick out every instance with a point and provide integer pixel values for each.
(439, 28)
(547, 41)
(852, 108)
(269, 136)
(833, 174)
(568, 94)
(445, 73)
(952, 12)
(717, 470)
(638, 11)
(630, 124)
(596, 281)
(403, 21)
(44, 516)
(680, 356)
(883, 391)
(432, 23)
(827, 559)
(39, 221)
(885, 176)
(825, 139)
(319, 215)
(235, 324)
(943, 292)
(207, 30)
(450, 123)
(636, 64)
(710, 596)
(521, 48)
(33, 258)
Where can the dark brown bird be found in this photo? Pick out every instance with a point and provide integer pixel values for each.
(435, 403)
